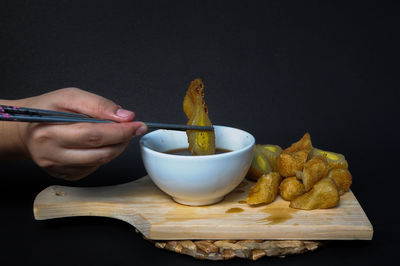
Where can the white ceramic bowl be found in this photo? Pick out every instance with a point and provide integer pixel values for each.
(197, 180)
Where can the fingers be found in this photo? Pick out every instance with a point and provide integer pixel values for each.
(80, 101)
(92, 157)
(90, 135)
(86, 158)
(72, 151)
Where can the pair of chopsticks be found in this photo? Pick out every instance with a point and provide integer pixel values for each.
(22, 114)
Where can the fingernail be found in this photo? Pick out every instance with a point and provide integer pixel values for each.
(141, 130)
(123, 113)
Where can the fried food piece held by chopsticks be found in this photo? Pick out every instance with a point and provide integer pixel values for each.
(335, 160)
(292, 159)
(200, 142)
(323, 195)
(342, 178)
(314, 170)
(259, 165)
(290, 188)
(265, 190)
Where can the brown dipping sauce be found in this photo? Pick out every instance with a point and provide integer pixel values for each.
(234, 210)
(186, 152)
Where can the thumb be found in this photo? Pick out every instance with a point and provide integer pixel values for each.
(93, 105)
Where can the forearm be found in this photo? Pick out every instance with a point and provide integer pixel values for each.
(11, 146)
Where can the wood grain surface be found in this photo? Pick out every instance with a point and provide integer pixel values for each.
(158, 217)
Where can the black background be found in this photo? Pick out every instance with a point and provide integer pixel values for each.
(273, 68)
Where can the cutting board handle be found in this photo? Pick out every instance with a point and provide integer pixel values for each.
(107, 201)
(62, 201)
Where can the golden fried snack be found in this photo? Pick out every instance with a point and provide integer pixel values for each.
(342, 178)
(303, 144)
(335, 160)
(272, 152)
(314, 170)
(290, 163)
(323, 195)
(292, 159)
(259, 165)
(265, 190)
(200, 142)
(290, 188)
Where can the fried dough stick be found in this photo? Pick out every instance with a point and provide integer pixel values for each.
(200, 142)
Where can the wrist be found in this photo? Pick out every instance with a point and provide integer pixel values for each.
(11, 144)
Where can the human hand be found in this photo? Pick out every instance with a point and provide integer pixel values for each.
(73, 151)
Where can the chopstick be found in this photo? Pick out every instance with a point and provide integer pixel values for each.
(33, 111)
(177, 126)
(23, 114)
(49, 119)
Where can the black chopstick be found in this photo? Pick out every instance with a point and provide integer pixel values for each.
(49, 119)
(177, 126)
(40, 112)
(23, 114)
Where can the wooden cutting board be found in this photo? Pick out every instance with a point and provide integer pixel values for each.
(158, 217)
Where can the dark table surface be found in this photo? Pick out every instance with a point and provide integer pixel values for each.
(273, 68)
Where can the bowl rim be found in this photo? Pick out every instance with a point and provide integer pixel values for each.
(199, 157)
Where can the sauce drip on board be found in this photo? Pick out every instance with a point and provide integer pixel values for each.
(234, 210)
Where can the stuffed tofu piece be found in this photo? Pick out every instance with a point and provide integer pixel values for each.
(292, 159)
(265, 190)
(323, 195)
(272, 153)
(335, 160)
(259, 165)
(290, 188)
(342, 178)
(200, 142)
(314, 170)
